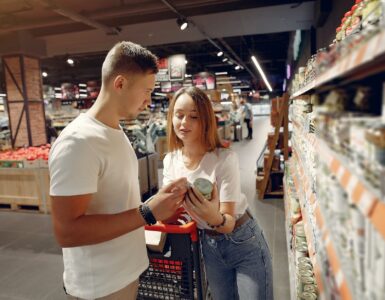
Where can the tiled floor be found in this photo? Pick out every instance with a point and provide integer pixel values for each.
(30, 260)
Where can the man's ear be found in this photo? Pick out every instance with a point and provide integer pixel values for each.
(119, 82)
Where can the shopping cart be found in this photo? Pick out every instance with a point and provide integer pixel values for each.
(177, 273)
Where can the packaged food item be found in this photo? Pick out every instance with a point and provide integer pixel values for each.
(371, 13)
(346, 24)
(357, 16)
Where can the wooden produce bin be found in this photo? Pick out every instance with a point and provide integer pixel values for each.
(22, 189)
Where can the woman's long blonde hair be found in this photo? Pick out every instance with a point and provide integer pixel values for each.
(208, 124)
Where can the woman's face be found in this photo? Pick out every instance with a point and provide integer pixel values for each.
(186, 122)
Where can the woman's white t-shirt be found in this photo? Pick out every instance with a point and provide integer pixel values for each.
(220, 166)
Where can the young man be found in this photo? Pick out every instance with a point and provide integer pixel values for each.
(96, 210)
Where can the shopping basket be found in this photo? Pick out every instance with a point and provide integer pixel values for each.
(177, 273)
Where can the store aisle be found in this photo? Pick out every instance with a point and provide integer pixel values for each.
(270, 213)
(30, 260)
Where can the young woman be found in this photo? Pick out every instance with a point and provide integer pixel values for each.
(236, 255)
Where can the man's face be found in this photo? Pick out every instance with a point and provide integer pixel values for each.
(135, 94)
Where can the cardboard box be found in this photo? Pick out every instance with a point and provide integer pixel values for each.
(155, 240)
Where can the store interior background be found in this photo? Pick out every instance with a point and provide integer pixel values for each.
(281, 34)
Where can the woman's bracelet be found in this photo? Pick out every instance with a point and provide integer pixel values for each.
(220, 225)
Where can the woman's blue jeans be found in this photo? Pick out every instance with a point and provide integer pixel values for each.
(238, 265)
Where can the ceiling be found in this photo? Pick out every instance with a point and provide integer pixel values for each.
(240, 28)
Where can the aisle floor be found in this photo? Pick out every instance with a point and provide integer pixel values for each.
(31, 263)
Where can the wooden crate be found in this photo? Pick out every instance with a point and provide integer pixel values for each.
(22, 190)
(161, 147)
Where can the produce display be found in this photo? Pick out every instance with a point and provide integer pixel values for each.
(25, 157)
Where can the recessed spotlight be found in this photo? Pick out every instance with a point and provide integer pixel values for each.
(237, 67)
(44, 74)
(220, 53)
(186, 61)
(70, 61)
(225, 59)
(182, 23)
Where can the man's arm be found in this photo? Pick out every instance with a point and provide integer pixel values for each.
(74, 228)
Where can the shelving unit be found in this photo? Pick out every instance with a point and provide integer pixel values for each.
(314, 161)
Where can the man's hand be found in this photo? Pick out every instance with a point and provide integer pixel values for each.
(169, 198)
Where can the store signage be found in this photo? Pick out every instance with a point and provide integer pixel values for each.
(177, 67)
(163, 70)
(204, 81)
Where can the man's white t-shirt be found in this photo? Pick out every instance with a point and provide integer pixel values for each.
(220, 166)
(92, 158)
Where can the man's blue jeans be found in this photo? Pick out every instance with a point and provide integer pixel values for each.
(238, 265)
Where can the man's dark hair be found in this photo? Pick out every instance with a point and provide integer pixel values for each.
(127, 57)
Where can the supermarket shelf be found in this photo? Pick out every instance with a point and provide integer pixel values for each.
(340, 271)
(367, 198)
(293, 287)
(309, 237)
(365, 60)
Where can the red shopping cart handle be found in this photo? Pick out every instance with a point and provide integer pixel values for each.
(189, 228)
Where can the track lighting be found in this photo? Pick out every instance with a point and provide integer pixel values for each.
(182, 23)
(225, 59)
(220, 53)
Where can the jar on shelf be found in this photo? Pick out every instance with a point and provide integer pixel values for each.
(338, 34)
(346, 21)
(357, 10)
(376, 138)
(308, 296)
(371, 13)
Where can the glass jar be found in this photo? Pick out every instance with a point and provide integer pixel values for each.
(371, 12)
(343, 28)
(338, 34)
(357, 10)
(346, 24)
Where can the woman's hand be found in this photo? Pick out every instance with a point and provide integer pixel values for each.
(208, 210)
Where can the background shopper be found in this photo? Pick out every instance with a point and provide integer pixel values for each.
(95, 189)
(236, 255)
(248, 117)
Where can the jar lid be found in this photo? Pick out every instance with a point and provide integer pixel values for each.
(354, 8)
(348, 14)
(338, 29)
(343, 20)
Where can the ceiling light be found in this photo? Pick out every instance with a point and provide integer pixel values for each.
(230, 62)
(44, 74)
(187, 75)
(186, 61)
(237, 67)
(225, 59)
(70, 61)
(261, 72)
(220, 53)
(220, 73)
(182, 23)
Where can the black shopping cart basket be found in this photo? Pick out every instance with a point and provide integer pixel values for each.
(177, 272)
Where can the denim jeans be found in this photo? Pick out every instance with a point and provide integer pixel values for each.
(238, 265)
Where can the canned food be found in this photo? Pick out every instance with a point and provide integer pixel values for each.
(308, 296)
(310, 288)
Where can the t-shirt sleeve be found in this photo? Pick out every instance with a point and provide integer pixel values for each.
(74, 168)
(228, 177)
(168, 172)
